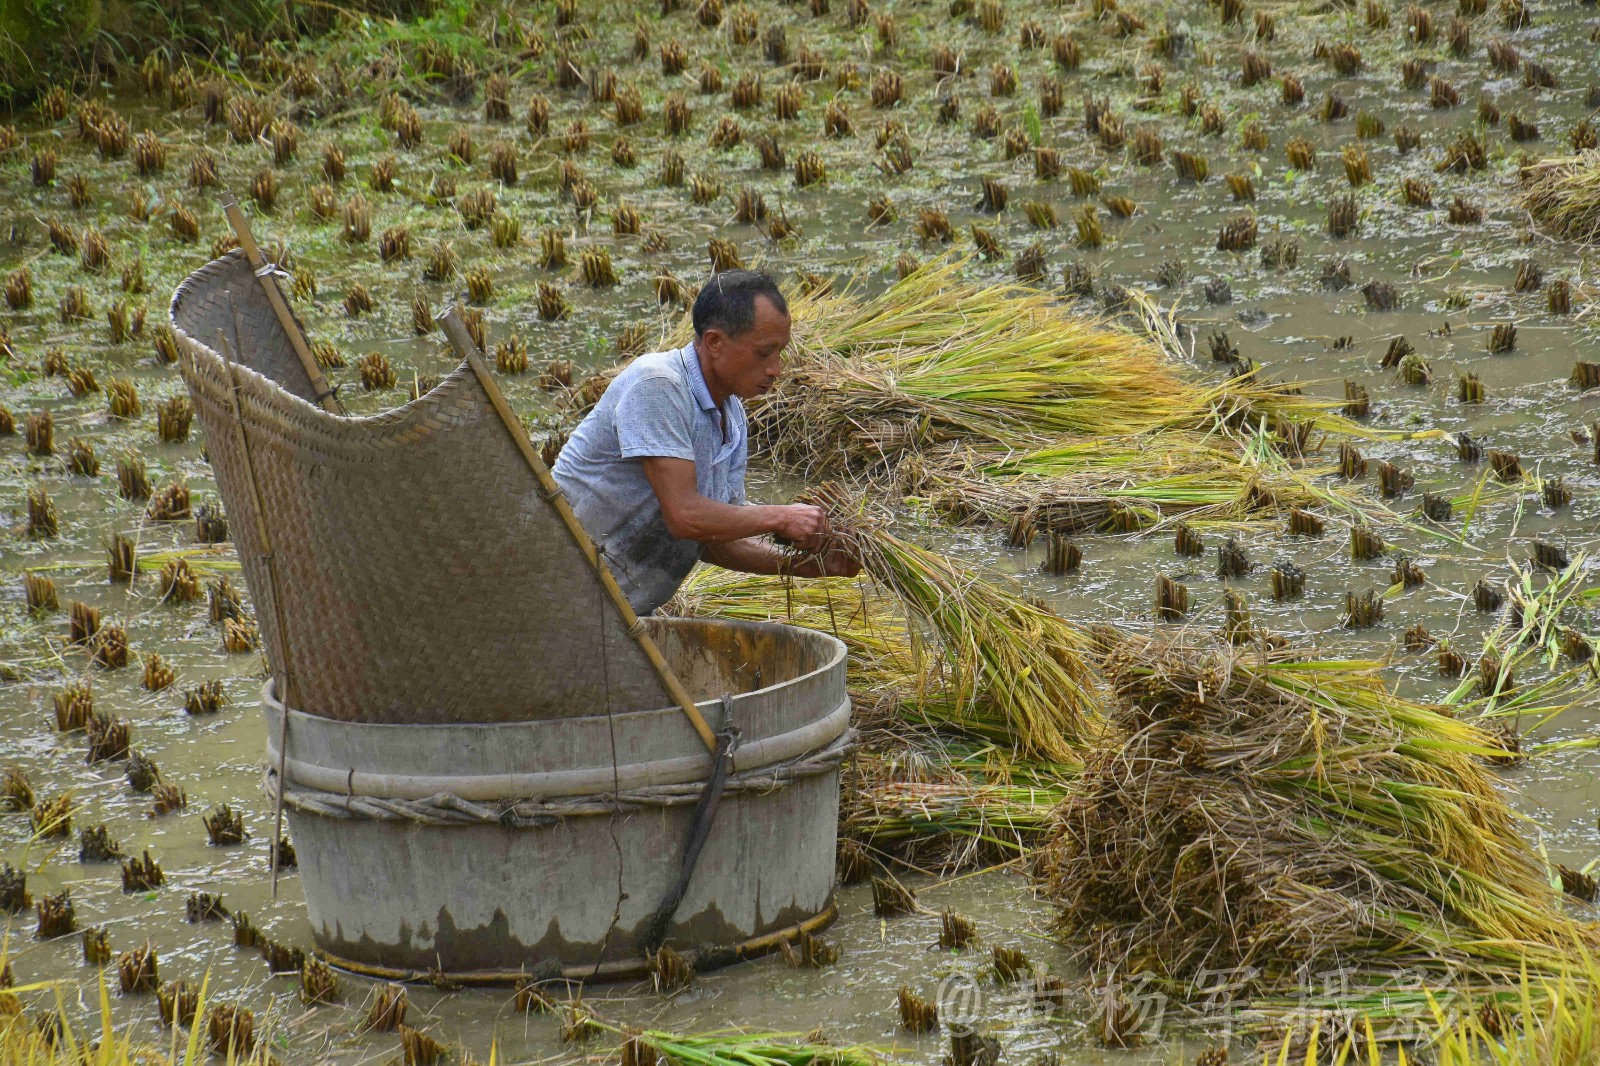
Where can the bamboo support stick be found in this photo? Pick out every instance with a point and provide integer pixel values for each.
(280, 308)
(456, 330)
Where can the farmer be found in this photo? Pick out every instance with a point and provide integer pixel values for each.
(656, 471)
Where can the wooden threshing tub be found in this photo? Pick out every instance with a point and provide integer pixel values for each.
(484, 772)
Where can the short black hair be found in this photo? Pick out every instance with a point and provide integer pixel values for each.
(728, 301)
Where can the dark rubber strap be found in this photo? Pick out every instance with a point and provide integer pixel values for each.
(705, 813)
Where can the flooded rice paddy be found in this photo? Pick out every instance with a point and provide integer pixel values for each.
(962, 102)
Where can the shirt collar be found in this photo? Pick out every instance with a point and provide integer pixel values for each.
(697, 380)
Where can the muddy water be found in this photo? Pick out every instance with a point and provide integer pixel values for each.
(1453, 283)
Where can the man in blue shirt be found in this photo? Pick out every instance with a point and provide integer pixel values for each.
(656, 471)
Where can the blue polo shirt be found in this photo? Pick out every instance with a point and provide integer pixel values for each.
(659, 406)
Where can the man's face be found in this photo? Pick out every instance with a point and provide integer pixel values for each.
(751, 363)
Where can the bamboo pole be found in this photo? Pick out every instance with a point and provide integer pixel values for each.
(280, 308)
(456, 331)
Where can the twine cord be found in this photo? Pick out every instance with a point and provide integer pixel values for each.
(550, 493)
(285, 671)
(533, 813)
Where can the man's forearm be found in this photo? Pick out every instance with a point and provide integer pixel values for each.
(756, 556)
(710, 522)
(750, 555)
(691, 516)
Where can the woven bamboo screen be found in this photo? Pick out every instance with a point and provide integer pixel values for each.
(424, 577)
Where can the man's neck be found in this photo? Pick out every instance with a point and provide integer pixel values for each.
(719, 395)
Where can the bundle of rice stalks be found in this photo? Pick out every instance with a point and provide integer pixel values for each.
(1563, 195)
(931, 640)
(1286, 818)
(936, 363)
(934, 810)
(1005, 664)
(883, 658)
(936, 358)
(1081, 485)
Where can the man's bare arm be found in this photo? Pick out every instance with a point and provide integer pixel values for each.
(691, 516)
(755, 556)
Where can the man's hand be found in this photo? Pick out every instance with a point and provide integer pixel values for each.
(801, 525)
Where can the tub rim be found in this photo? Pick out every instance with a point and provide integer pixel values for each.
(309, 771)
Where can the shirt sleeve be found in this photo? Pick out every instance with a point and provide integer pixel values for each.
(654, 421)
